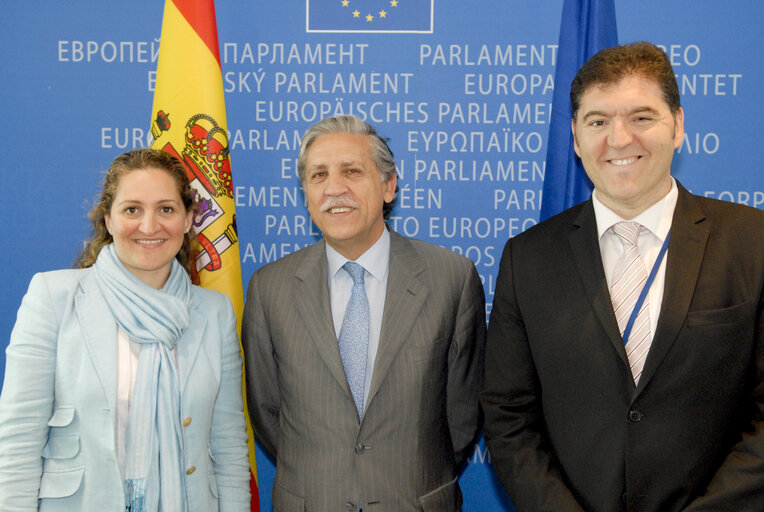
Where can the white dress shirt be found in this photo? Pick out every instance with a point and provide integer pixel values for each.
(127, 366)
(376, 262)
(657, 219)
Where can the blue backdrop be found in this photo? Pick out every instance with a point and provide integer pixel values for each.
(463, 90)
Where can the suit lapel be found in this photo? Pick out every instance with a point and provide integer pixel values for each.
(188, 346)
(314, 308)
(404, 299)
(99, 331)
(586, 254)
(688, 241)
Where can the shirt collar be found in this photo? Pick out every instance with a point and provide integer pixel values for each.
(657, 218)
(375, 260)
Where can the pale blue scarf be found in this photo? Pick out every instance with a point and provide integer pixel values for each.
(154, 478)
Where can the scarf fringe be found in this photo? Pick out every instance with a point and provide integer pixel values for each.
(135, 495)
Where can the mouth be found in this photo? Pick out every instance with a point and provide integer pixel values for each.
(339, 209)
(624, 161)
(150, 243)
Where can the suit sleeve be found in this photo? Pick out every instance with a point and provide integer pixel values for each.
(465, 371)
(228, 437)
(27, 398)
(511, 400)
(739, 483)
(263, 396)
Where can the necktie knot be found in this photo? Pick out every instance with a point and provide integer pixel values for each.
(627, 231)
(356, 271)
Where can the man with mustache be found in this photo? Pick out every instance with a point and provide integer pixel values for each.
(625, 355)
(364, 351)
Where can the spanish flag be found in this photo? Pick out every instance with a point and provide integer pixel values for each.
(189, 121)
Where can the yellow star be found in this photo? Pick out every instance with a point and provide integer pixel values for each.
(345, 3)
(356, 13)
(369, 17)
(394, 3)
(382, 14)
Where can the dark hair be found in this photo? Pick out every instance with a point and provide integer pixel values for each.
(123, 164)
(610, 65)
(380, 150)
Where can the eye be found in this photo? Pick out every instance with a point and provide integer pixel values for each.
(597, 123)
(131, 210)
(167, 209)
(317, 175)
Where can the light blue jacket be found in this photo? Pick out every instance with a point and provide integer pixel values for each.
(58, 403)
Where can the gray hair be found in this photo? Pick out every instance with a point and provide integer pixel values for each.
(380, 151)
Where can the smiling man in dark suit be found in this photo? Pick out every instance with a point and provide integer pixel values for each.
(364, 351)
(625, 355)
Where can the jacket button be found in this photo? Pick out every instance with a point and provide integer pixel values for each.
(190, 470)
(361, 448)
(187, 421)
(635, 416)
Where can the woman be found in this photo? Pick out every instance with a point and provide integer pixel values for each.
(123, 380)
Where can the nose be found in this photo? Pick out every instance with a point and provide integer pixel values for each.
(620, 134)
(149, 224)
(335, 184)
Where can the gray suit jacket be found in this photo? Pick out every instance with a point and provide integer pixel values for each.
(422, 413)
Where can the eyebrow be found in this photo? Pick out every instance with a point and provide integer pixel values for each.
(633, 111)
(140, 202)
(343, 165)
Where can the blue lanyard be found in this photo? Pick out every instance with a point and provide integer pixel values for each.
(645, 289)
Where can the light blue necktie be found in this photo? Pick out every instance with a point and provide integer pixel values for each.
(354, 334)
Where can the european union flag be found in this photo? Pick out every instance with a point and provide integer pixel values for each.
(370, 16)
(587, 27)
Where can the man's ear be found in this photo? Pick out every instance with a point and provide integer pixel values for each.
(678, 127)
(573, 130)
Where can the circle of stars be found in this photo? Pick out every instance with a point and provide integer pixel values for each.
(369, 17)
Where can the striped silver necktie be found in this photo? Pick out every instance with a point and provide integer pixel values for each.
(629, 278)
